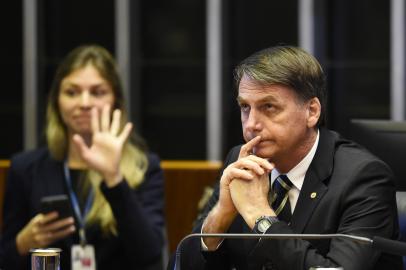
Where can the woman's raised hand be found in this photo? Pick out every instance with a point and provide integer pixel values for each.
(104, 153)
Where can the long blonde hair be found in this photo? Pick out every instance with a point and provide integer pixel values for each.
(134, 162)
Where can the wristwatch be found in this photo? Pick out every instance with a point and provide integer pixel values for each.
(263, 223)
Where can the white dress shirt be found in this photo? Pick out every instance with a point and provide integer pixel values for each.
(297, 174)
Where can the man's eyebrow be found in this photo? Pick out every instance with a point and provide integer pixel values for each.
(263, 100)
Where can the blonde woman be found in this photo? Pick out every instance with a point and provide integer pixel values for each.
(114, 186)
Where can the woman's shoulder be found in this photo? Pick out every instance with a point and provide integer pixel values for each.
(23, 160)
(153, 159)
(154, 171)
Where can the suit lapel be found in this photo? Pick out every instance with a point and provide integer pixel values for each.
(315, 182)
(307, 202)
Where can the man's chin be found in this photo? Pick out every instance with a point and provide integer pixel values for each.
(262, 152)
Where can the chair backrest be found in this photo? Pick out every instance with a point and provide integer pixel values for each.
(401, 204)
(387, 140)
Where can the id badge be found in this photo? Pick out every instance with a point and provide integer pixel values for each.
(83, 257)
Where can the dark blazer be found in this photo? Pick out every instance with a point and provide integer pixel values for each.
(138, 212)
(355, 194)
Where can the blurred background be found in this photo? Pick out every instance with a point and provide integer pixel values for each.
(177, 58)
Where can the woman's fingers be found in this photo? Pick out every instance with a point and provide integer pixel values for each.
(58, 224)
(58, 229)
(45, 218)
(95, 121)
(81, 146)
(60, 234)
(126, 132)
(105, 119)
(47, 228)
(115, 123)
(107, 123)
(46, 238)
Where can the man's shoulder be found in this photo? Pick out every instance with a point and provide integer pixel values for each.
(349, 155)
(347, 148)
(153, 159)
(233, 154)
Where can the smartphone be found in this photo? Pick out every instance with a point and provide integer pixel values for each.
(59, 203)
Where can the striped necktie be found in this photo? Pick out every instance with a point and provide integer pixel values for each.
(280, 199)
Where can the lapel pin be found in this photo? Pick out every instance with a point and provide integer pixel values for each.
(313, 195)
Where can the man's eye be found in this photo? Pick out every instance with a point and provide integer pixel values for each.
(244, 107)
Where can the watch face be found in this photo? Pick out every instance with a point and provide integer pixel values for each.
(263, 225)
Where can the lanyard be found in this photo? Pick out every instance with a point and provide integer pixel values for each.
(75, 204)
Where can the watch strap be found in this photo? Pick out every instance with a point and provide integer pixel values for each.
(270, 220)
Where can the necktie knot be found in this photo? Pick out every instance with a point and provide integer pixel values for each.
(280, 199)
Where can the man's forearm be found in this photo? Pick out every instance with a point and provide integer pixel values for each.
(218, 221)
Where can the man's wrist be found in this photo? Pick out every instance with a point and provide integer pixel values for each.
(218, 221)
(252, 217)
(203, 244)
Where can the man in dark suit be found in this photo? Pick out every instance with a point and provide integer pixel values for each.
(293, 176)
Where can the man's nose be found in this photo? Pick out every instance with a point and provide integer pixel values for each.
(254, 122)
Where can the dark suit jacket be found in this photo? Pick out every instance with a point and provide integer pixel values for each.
(355, 195)
(139, 214)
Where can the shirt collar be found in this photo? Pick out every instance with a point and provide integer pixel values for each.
(297, 174)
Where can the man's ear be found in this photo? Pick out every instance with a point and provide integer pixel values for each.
(313, 112)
